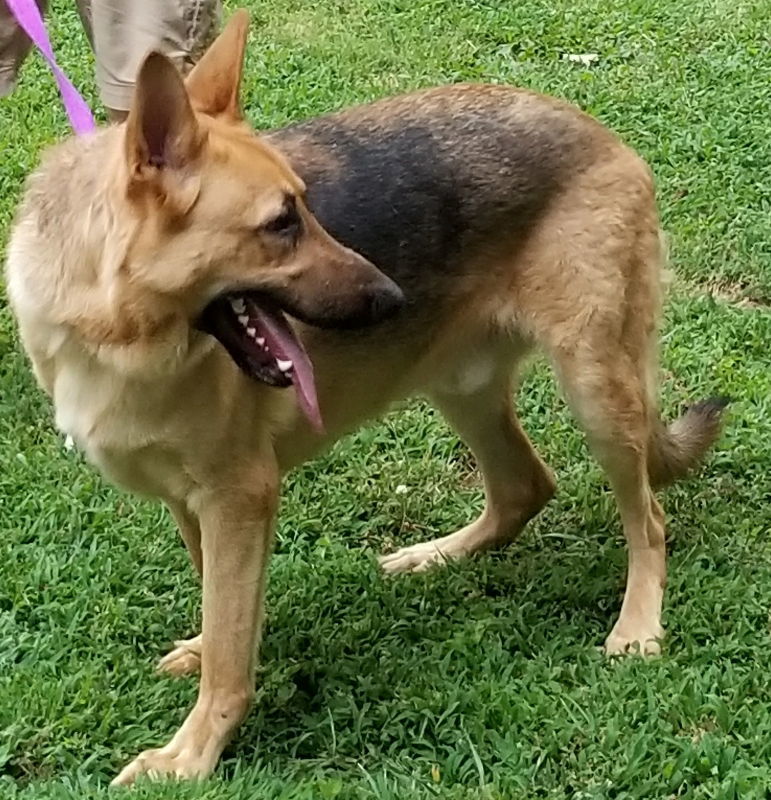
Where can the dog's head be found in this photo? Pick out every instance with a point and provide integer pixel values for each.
(222, 234)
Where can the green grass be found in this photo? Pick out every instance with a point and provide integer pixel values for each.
(482, 680)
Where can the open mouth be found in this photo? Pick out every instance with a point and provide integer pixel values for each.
(254, 331)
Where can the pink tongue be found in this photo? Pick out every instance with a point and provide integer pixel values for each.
(284, 346)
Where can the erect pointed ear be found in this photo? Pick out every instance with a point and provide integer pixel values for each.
(215, 80)
(163, 138)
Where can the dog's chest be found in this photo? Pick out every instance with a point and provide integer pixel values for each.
(114, 424)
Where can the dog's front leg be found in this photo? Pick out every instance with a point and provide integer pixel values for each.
(185, 658)
(236, 536)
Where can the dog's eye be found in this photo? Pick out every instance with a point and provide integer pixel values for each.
(287, 223)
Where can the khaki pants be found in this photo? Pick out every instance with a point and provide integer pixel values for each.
(121, 33)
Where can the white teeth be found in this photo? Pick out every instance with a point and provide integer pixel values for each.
(284, 366)
(243, 319)
(251, 332)
(238, 305)
(260, 341)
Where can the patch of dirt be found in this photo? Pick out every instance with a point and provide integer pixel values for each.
(737, 294)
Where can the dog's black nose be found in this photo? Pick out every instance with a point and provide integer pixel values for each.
(385, 301)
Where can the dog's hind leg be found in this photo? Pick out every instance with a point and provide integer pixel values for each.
(517, 483)
(609, 375)
(609, 401)
(590, 297)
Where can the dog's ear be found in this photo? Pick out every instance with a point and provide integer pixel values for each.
(214, 82)
(163, 139)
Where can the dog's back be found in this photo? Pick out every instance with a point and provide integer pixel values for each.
(469, 197)
(419, 183)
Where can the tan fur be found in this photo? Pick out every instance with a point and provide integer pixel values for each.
(113, 254)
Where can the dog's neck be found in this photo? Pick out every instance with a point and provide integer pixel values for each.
(79, 230)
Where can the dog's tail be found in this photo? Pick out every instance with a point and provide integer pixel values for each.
(675, 449)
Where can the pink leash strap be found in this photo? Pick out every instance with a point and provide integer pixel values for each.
(29, 18)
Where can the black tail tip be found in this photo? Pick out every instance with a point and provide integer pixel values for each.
(711, 407)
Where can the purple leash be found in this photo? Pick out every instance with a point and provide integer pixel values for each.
(29, 18)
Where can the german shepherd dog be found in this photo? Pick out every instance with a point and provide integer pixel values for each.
(173, 276)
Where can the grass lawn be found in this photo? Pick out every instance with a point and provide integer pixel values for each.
(482, 680)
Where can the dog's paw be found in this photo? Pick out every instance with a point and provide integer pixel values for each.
(642, 642)
(195, 748)
(165, 762)
(417, 558)
(184, 659)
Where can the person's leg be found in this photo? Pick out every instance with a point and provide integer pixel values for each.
(14, 46)
(124, 31)
(84, 12)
